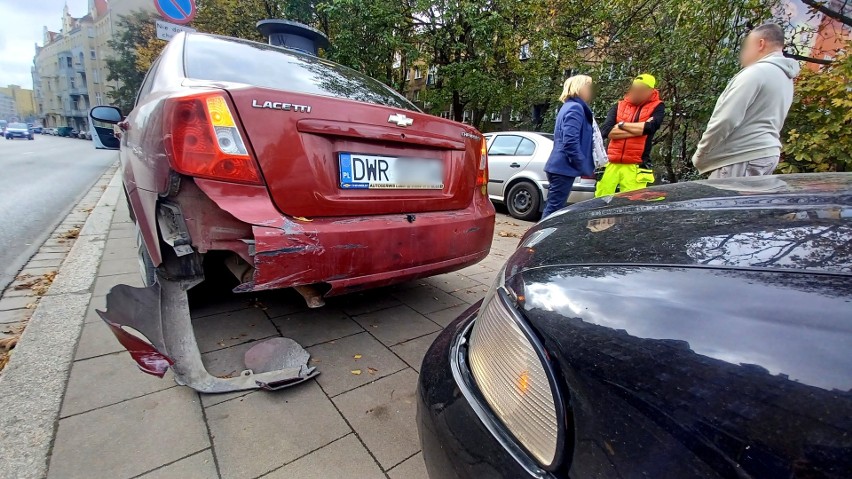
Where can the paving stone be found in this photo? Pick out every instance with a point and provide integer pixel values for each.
(427, 299)
(16, 302)
(257, 433)
(383, 415)
(37, 271)
(14, 315)
(208, 305)
(208, 400)
(336, 361)
(115, 377)
(42, 256)
(11, 292)
(96, 340)
(487, 278)
(229, 329)
(451, 282)
(104, 283)
(98, 302)
(411, 468)
(412, 352)
(472, 295)
(446, 316)
(227, 361)
(281, 301)
(121, 245)
(316, 326)
(116, 253)
(45, 263)
(129, 438)
(122, 233)
(366, 302)
(395, 325)
(197, 466)
(119, 266)
(343, 458)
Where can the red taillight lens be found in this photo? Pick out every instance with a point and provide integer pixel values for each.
(202, 139)
(482, 173)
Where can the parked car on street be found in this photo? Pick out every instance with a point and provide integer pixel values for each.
(18, 130)
(38, 129)
(290, 171)
(49, 131)
(697, 329)
(516, 174)
(64, 131)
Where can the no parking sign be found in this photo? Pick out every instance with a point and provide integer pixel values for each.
(176, 11)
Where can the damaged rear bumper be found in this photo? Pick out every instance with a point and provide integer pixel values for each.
(161, 314)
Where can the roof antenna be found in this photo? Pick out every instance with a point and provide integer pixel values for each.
(293, 35)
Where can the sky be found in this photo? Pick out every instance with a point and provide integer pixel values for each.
(21, 23)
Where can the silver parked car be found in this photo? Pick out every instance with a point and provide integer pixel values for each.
(516, 173)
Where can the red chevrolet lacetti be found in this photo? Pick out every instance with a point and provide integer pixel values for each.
(298, 172)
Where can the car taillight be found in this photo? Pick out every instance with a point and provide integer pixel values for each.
(482, 173)
(202, 139)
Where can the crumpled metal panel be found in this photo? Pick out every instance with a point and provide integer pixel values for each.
(161, 314)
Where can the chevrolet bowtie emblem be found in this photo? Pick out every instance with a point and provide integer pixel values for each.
(400, 120)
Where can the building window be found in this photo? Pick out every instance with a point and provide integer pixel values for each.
(432, 75)
(93, 54)
(525, 52)
(418, 73)
(519, 82)
(407, 74)
(71, 83)
(416, 95)
(445, 115)
(514, 116)
(96, 76)
(81, 59)
(68, 60)
(99, 99)
(466, 115)
(91, 32)
(496, 117)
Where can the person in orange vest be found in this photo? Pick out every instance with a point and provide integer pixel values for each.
(630, 126)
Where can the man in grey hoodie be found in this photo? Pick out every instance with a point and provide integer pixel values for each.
(743, 135)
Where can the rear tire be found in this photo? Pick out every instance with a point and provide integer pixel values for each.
(523, 201)
(146, 266)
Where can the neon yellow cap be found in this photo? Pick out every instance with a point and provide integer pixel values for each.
(646, 79)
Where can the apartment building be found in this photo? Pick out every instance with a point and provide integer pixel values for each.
(69, 68)
(23, 99)
(8, 110)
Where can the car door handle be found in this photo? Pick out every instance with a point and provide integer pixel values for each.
(515, 165)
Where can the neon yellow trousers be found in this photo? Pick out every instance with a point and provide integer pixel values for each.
(624, 177)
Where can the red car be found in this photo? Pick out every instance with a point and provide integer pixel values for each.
(297, 172)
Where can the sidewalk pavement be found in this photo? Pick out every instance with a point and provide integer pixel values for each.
(356, 420)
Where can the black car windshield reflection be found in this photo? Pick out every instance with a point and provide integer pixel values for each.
(655, 303)
(232, 60)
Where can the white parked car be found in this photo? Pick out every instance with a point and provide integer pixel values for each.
(516, 174)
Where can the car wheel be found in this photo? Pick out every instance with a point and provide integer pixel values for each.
(146, 266)
(523, 201)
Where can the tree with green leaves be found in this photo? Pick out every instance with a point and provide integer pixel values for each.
(135, 46)
(817, 128)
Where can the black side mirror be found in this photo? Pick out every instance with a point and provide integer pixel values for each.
(106, 114)
(103, 137)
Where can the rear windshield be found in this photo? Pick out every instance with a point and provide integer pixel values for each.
(17, 125)
(234, 60)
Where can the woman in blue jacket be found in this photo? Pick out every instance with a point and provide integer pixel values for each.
(572, 143)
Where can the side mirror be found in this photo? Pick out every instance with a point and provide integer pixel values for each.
(106, 114)
(102, 136)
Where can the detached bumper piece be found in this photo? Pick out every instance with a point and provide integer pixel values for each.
(161, 314)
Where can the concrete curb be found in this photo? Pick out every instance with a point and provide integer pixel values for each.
(33, 383)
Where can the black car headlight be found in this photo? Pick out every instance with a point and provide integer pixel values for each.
(509, 367)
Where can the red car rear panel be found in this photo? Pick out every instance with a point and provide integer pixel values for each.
(298, 153)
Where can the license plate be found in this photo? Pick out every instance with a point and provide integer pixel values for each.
(372, 172)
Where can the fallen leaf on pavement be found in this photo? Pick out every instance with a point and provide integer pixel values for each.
(372, 370)
(356, 372)
(508, 234)
(357, 356)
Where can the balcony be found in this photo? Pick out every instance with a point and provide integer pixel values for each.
(78, 91)
(73, 112)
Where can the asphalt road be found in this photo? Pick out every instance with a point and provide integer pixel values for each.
(40, 182)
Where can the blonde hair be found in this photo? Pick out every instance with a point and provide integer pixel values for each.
(573, 85)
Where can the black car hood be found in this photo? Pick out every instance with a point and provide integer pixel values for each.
(699, 372)
(800, 222)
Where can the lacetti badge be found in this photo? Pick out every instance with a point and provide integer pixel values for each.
(400, 120)
(277, 105)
